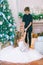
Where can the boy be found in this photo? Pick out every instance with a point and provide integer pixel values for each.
(27, 19)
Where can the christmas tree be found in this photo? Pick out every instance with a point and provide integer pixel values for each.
(7, 24)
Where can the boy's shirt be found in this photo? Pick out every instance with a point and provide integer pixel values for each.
(27, 19)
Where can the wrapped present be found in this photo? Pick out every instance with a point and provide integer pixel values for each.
(40, 38)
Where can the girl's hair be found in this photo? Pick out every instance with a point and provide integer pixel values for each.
(27, 9)
(17, 37)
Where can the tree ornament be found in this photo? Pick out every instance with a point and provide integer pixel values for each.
(4, 7)
(1, 22)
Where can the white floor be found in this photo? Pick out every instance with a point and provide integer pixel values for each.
(14, 55)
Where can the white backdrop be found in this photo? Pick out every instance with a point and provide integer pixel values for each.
(19, 5)
(33, 4)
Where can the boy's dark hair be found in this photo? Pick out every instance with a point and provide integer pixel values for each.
(27, 9)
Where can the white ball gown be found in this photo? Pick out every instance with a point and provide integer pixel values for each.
(15, 55)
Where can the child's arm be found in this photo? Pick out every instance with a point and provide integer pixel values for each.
(24, 35)
(28, 26)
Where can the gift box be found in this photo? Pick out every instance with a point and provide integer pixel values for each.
(39, 44)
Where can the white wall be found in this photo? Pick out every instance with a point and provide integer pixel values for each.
(33, 4)
(19, 5)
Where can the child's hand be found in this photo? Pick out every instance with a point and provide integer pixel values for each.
(25, 29)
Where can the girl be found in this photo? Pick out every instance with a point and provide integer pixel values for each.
(21, 41)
